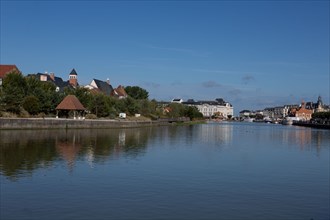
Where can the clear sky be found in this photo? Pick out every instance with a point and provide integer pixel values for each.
(253, 54)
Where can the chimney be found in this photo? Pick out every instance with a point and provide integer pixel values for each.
(108, 81)
(52, 76)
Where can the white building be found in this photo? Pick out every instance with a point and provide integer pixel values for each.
(211, 108)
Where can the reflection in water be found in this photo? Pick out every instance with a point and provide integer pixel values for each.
(24, 151)
(36, 149)
(206, 171)
(216, 133)
(68, 149)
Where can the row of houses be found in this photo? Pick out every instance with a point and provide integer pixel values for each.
(303, 111)
(96, 85)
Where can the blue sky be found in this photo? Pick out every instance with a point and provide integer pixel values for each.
(253, 54)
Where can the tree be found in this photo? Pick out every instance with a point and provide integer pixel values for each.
(136, 92)
(31, 104)
(100, 105)
(176, 110)
(192, 112)
(14, 90)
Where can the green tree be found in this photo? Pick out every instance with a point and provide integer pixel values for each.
(99, 105)
(136, 92)
(49, 98)
(31, 104)
(176, 110)
(321, 115)
(192, 112)
(83, 94)
(131, 106)
(14, 91)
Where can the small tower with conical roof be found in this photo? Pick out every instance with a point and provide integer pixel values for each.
(73, 78)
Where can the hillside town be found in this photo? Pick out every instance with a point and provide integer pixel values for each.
(218, 109)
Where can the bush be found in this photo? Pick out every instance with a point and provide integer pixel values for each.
(90, 116)
(31, 104)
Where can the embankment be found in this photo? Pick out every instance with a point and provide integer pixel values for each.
(58, 123)
(312, 125)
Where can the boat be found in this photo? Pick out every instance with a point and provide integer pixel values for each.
(287, 121)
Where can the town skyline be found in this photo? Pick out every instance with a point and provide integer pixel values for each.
(252, 54)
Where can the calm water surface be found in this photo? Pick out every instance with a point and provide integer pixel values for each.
(208, 171)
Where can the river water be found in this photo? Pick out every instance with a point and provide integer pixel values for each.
(206, 171)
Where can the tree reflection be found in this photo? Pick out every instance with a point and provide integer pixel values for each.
(22, 152)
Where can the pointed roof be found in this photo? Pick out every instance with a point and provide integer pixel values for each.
(103, 86)
(70, 102)
(73, 72)
(5, 69)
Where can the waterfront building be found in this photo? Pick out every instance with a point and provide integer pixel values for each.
(302, 113)
(218, 107)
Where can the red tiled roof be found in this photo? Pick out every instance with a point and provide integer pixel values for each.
(121, 91)
(70, 102)
(5, 69)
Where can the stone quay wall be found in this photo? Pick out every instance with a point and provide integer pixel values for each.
(59, 123)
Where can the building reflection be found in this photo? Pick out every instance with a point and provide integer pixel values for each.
(68, 149)
(216, 134)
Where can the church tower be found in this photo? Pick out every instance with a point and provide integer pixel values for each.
(73, 78)
(319, 105)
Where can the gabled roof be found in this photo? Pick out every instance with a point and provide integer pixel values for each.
(70, 102)
(5, 69)
(73, 72)
(119, 92)
(103, 86)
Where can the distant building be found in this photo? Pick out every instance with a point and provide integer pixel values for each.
(212, 108)
(302, 113)
(177, 101)
(245, 113)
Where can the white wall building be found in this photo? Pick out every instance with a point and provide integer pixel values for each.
(211, 108)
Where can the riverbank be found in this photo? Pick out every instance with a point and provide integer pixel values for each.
(60, 123)
(312, 125)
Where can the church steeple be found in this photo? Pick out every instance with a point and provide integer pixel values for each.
(73, 78)
(319, 103)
